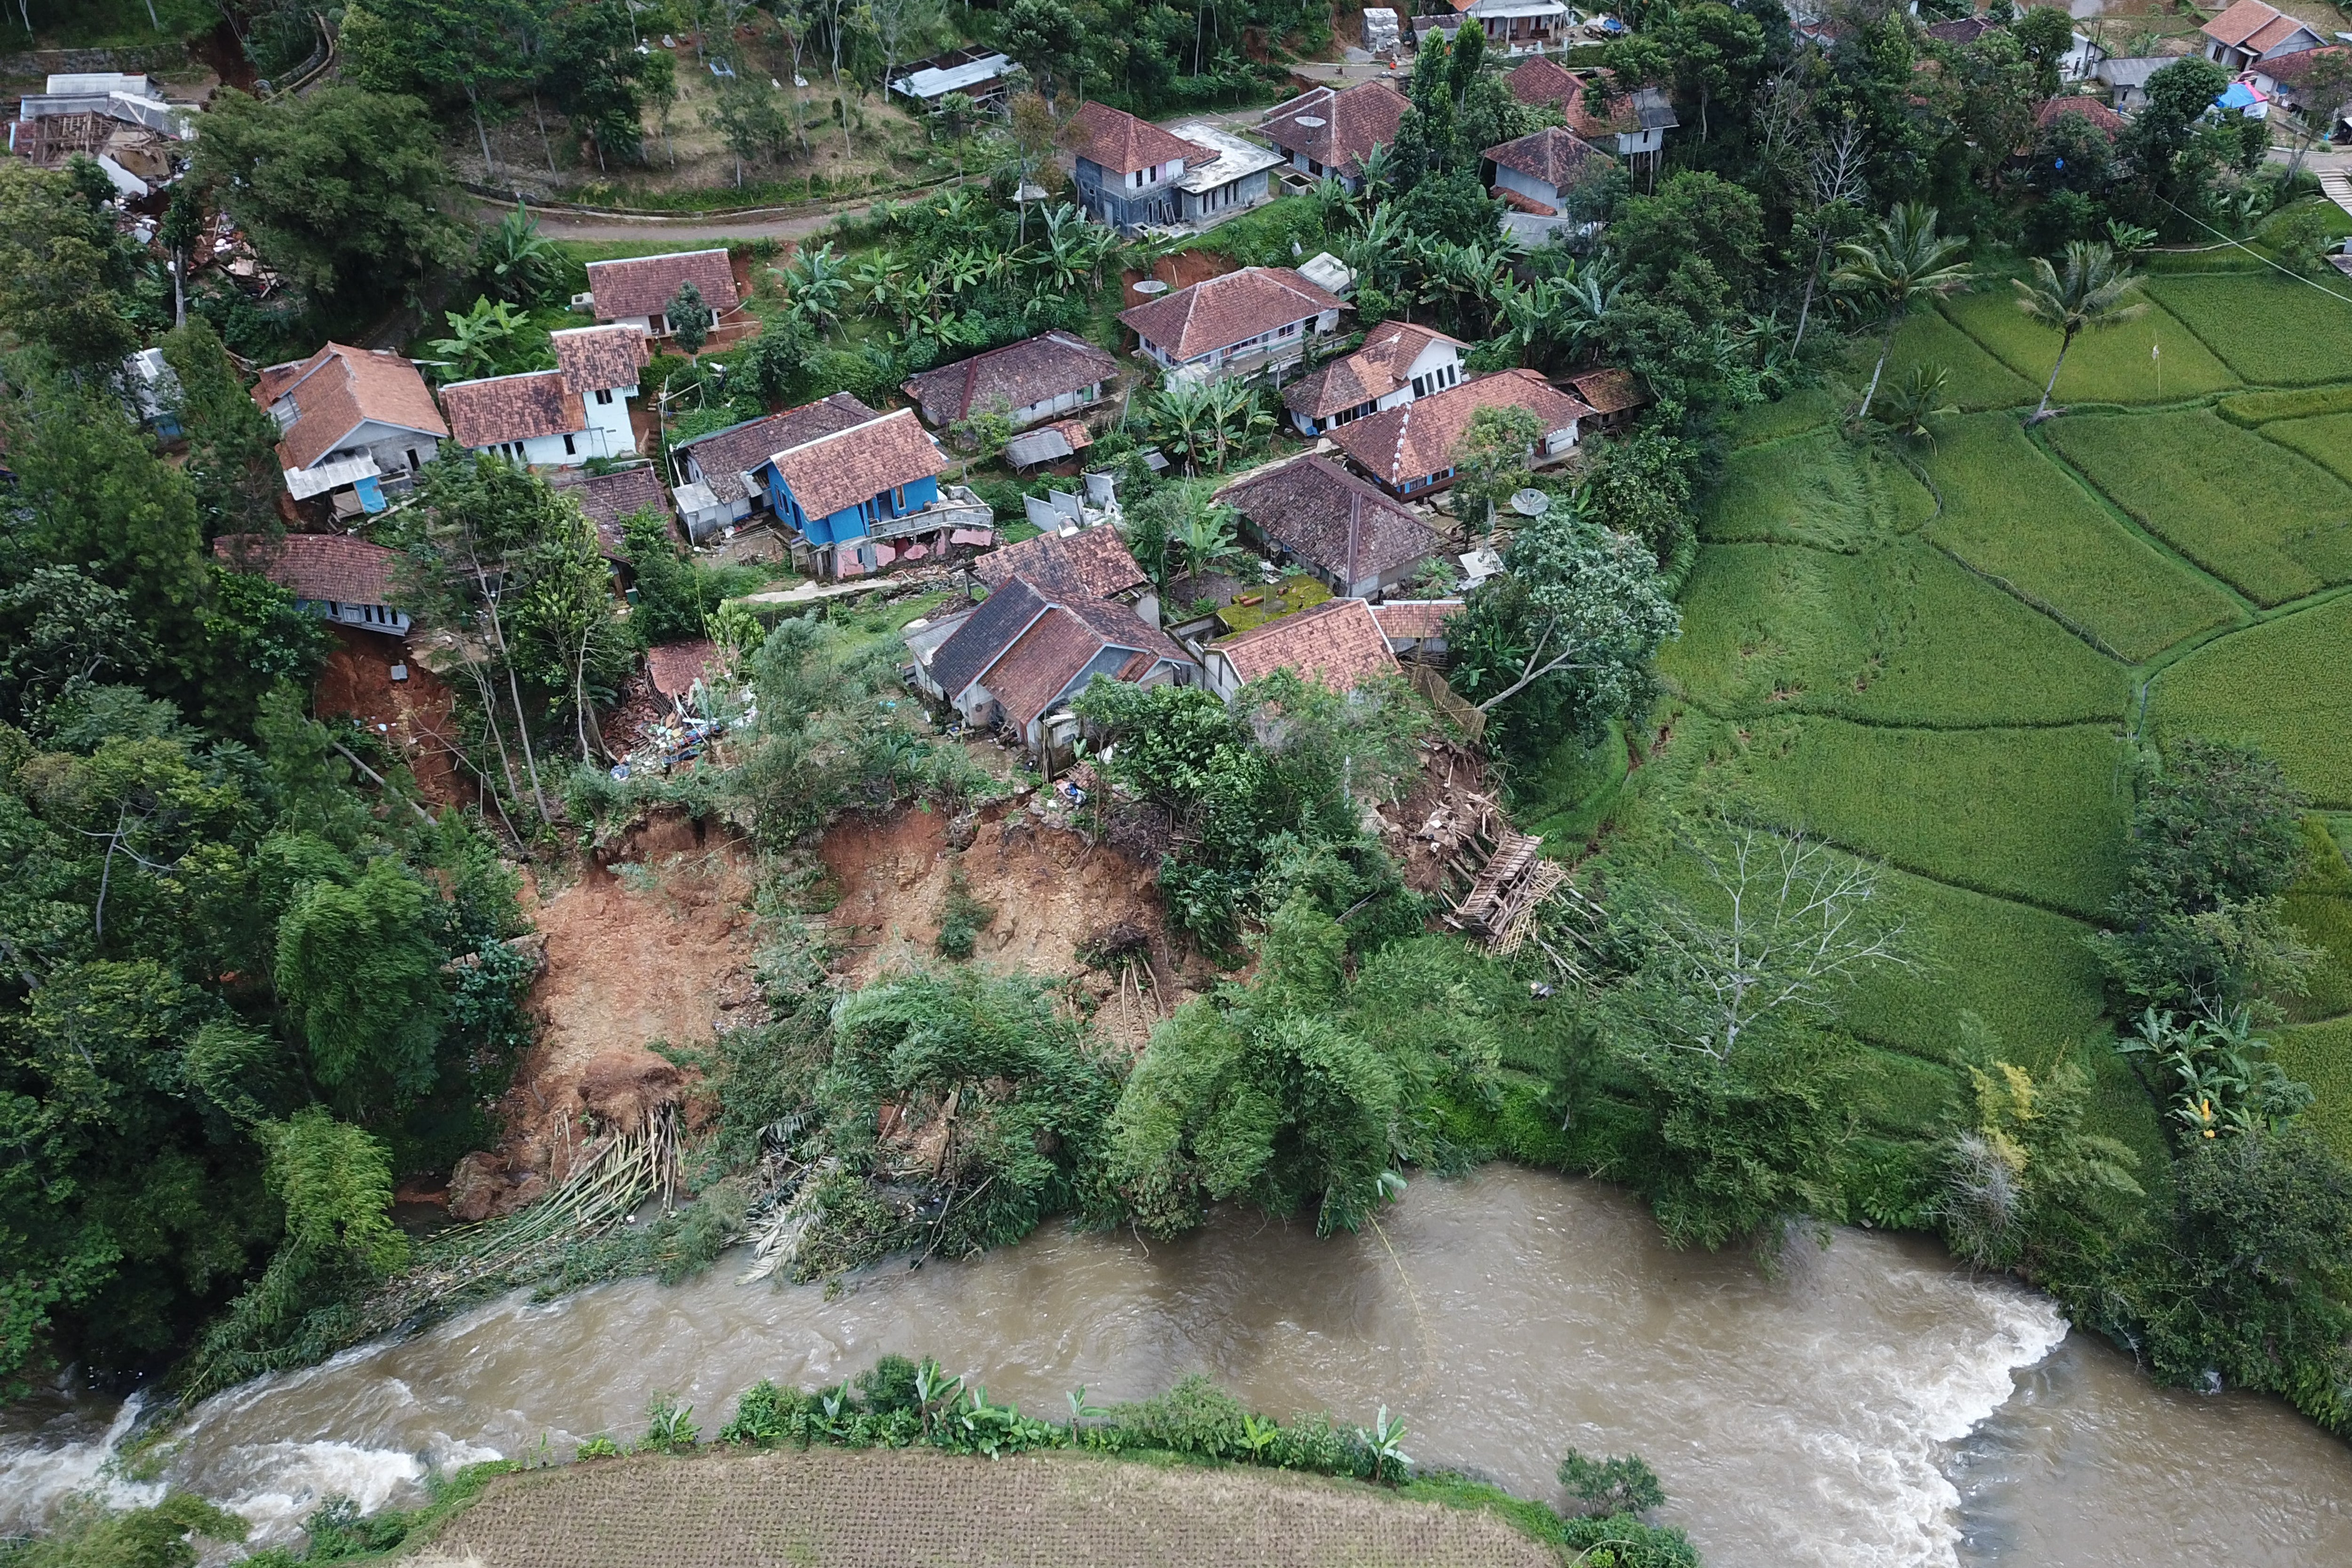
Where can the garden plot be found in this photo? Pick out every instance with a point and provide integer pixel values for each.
(2319, 905)
(2321, 1056)
(2247, 509)
(1813, 490)
(2325, 439)
(1897, 1094)
(1902, 635)
(2271, 330)
(2284, 686)
(1974, 380)
(2032, 815)
(2112, 365)
(2013, 514)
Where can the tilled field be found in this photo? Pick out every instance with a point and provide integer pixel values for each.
(894, 1509)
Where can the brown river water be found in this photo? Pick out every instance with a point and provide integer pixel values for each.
(1873, 1405)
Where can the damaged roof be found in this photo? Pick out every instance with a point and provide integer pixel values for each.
(1092, 563)
(320, 567)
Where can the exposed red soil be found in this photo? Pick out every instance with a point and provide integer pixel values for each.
(1051, 893)
(1449, 775)
(414, 717)
(658, 950)
(1181, 270)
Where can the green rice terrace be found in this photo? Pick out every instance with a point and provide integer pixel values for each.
(1944, 669)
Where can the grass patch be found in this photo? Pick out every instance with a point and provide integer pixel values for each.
(2321, 1056)
(1902, 635)
(2034, 815)
(2016, 516)
(2246, 509)
(2319, 905)
(1898, 1094)
(1809, 409)
(2271, 330)
(2109, 366)
(1973, 378)
(1564, 798)
(2254, 408)
(2284, 686)
(2325, 439)
(1820, 490)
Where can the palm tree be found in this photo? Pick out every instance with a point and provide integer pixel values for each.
(1901, 262)
(2086, 297)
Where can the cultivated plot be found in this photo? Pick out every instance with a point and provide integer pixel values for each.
(2268, 519)
(2325, 439)
(2272, 330)
(2011, 512)
(2284, 686)
(1973, 379)
(2152, 358)
(1814, 490)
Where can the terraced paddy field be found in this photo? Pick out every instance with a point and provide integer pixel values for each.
(1949, 679)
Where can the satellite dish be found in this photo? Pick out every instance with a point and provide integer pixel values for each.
(1530, 502)
(1309, 122)
(1152, 286)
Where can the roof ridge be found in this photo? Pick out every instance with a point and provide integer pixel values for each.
(845, 430)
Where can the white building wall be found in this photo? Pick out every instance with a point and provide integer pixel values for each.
(1528, 186)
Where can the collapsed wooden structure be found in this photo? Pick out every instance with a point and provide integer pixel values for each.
(1509, 875)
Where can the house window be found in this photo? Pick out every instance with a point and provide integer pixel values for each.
(413, 464)
(604, 397)
(898, 499)
(569, 449)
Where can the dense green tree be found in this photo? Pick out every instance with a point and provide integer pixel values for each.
(358, 965)
(90, 1535)
(595, 77)
(65, 276)
(231, 444)
(1043, 36)
(2170, 157)
(344, 190)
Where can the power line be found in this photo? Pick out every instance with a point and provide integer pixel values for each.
(2257, 255)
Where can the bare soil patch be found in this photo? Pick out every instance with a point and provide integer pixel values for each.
(1181, 270)
(654, 942)
(1056, 903)
(886, 1508)
(414, 716)
(1449, 777)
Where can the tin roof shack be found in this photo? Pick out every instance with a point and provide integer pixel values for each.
(332, 575)
(858, 497)
(1336, 643)
(1416, 627)
(1410, 450)
(351, 419)
(1398, 363)
(1036, 379)
(1323, 131)
(636, 290)
(978, 74)
(1237, 324)
(1016, 661)
(1357, 541)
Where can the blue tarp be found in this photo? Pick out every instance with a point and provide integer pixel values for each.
(371, 494)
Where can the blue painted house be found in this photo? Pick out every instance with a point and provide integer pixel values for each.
(861, 495)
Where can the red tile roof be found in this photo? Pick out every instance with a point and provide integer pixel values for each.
(1403, 620)
(1354, 122)
(1119, 142)
(512, 408)
(1041, 664)
(676, 667)
(724, 457)
(831, 472)
(1542, 82)
(608, 501)
(319, 567)
(644, 285)
(339, 388)
(597, 358)
(1418, 438)
(1552, 156)
(1032, 371)
(2047, 113)
(1091, 563)
(1610, 390)
(1336, 642)
(1218, 312)
(1373, 372)
(2255, 28)
(2293, 67)
(1312, 507)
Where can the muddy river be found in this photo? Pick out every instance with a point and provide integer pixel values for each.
(1873, 1405)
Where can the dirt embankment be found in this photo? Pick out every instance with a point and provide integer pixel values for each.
(654, 942)
(415, 718)
(1056, 902)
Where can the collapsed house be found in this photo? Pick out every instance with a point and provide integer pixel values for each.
(119, 118)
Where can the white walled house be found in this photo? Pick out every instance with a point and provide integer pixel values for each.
(332, 575)
(1549, 177)
(1398, 363)
(2250, 31)
(636, 290)
(1260, 318)
(1036, 379)
(351, 419)
(555, 418)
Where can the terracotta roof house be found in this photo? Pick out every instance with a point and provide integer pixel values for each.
(1032, 380)
(857, 498)
(1398, 363)
(332, 575)
(349, 419)
(716, 486)
(2250, 31)
(1326, 133)
(609, 501)
(1410, 450)
(1028, 649)
(2288, 78)
(1239, 323)
(674, 667)
(1131, 175)
(1612, 394)
(1336, 643)
(1634, 125)
(1357, 541)
(555, 418)
(1087, 563)
(2049, 110)
(1551, 174)
(1962, 29)
(637, 290)
(1415, 629)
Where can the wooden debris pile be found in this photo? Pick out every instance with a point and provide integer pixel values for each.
(1508, 876)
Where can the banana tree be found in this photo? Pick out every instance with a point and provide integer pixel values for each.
(817, 287)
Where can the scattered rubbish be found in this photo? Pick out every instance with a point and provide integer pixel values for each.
(399, 672)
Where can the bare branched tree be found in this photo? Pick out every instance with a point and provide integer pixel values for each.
(1833, 183)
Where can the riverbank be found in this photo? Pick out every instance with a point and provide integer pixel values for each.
(888, 1507)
